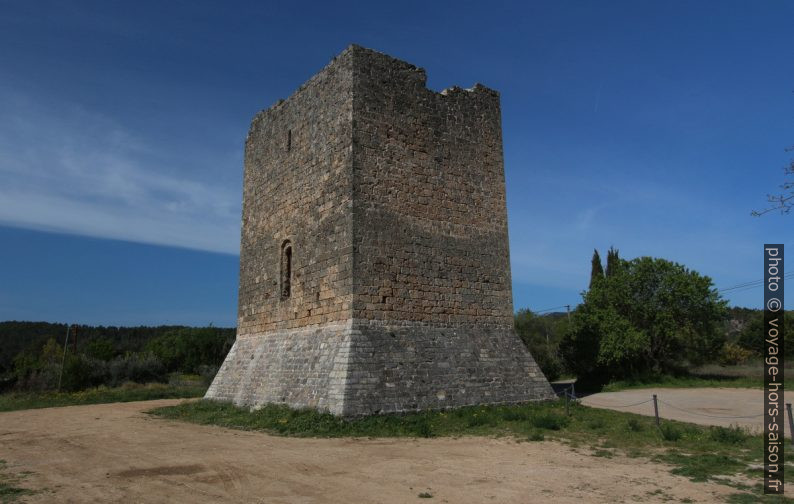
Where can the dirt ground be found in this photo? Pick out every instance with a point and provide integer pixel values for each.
(117, 453)
(705, 406)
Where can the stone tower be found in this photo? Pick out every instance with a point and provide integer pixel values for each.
(374, 260)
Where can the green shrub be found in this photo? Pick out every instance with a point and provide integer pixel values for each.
(512, 415)
(550, 421)
(732, 355)
(596, 424)
(479, 419)
(670, 432)
(81, 372)
(728, 435)
(140, 368)
(634, 425)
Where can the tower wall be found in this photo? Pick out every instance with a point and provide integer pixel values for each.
(392, 197)
(297, 187)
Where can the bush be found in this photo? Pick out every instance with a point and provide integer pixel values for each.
(540, 335)
(81, 372)
(732, 354)
(634, 425)
(512, 415)
(728, 435)
(188, 349)
(549, 421)
(670, 432)
(140, 368)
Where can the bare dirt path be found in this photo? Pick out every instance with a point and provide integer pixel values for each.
(117, 453)
(705, 406)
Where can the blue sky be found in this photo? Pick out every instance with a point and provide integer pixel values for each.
(654, 127)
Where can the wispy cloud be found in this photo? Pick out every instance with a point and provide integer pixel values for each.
(72, 170)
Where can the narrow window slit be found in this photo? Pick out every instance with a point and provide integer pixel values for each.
(286, 270)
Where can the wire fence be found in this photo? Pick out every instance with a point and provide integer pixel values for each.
(569, 392)
(709, 416)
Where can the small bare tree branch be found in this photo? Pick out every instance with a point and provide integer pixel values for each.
(781, 202)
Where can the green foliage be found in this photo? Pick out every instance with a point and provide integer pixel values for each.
(647, 315)
(751, 337)
(550, 421)
(541, 336)
(670, 431)
(187, 349)
(112, 356)
(702, 466)
(728, 435)
(138, 368)
(685, 381)
(39, 370)
(732, 354)
(613, 261)
(596, 270)
(634, 425)
(100, 349)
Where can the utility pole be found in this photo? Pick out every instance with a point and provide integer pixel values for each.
(568, 310)
(63, 359)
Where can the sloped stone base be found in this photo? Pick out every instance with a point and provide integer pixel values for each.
(366, 367)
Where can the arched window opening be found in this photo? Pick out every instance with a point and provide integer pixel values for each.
(286, 269)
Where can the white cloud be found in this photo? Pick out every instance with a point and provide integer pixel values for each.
(71, 170)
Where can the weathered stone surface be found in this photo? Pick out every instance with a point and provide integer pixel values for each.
(374, 259)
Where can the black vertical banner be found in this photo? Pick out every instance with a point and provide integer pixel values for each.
(774, 404)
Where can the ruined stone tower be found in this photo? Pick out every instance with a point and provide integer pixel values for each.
(374, 260)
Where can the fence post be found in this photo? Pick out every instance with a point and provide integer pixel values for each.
(790, 423)
(568, 412)
(656, 409)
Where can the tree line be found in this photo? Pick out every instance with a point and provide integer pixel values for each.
(32, 354)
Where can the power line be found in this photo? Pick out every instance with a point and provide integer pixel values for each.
(549, 309)
(750, 285)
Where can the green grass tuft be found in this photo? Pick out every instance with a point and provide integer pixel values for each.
(728, 435)
(9, 491)
(670, 431)
(128, 392)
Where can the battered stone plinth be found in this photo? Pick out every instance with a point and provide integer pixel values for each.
(374, 260)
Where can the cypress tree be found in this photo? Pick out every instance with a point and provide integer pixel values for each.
(613, 261)
(596, 270)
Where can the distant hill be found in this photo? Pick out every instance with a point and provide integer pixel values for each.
(17, 336)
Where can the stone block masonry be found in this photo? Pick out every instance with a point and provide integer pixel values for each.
(374, 258)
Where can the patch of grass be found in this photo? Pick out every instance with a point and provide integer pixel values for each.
(603, 453)
(550, 421)
(128, 392)
(728, 435)
(425, 495)
(596, 424)
(702, 466)
(9, 491)
(536, 436)
(634, 425)
(670, 431)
